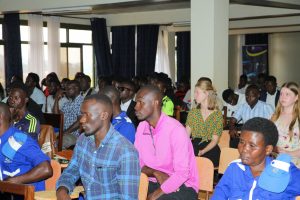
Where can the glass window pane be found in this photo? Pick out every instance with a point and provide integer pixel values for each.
(1, 32)
(2, 67)
(63, 35)
(80, 36)
(24, 33)
(88, 62)
(74, 62)
(25, 53)
(63, 71)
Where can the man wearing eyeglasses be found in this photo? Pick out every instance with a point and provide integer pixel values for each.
(127, 92)
(166, 153)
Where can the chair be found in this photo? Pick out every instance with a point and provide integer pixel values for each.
(298, 198)
(18, 189)
(50, 183)
(57, 121)
(227, 156)
(143, 187)
(206, 175)
(224, 139)
(46, 140)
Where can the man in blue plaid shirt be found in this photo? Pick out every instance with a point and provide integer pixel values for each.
(106, 162)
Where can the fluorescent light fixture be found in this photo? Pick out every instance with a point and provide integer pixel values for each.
(67, 10)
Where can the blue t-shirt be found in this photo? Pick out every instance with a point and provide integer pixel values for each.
(27, 156)
(123, 125)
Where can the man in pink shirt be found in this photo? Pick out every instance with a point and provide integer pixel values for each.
(165, 151)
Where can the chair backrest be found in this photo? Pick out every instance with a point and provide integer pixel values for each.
(50, 183)
(18, 189)
(227, 156)
(143, 187)
(47, 140)
(224, 139)
(206, 173)
(298, 198)
(57, 121)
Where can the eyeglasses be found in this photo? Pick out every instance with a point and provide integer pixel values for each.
(121, 89)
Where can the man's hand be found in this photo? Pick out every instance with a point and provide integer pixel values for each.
(155, 195)
(161, 177)
(62, 194)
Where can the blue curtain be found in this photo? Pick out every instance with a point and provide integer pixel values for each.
(252, 39)
(183, 48)
(101, 46)
(147, 36)
(123, 50)
(12, 46)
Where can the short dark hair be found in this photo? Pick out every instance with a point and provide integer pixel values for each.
(101, 98)
(264, 126)
(154, 90)
(252, 87)
(130, 83)
(112, 93)
(226, 94)
(20, 86)
(271, 79)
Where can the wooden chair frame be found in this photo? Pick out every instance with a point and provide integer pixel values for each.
(18, 189)
(206, 175)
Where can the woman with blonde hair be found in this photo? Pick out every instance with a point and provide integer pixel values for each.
(204, 123)
(287, 118)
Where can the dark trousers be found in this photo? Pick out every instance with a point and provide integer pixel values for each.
(213, 154)
(184, 193)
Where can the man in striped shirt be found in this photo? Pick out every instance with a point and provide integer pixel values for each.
(22, 119)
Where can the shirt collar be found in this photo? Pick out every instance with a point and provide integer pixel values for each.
(107, 137)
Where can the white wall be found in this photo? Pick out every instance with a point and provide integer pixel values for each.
(284, 56)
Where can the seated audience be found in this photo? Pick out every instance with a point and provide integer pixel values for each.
(287, 119)
(120, 121)
(271, 94)
(165, 151)
(242, 84)
(182, 87)
(71, 111)
(105, 161)
(54, 89)
(205, 122)
(21, 117)
(127, 93)
(233, 101)
(253, 108)
(167, 103)
(85, 85)
(34, 90)
(255, 175)
(21, 159)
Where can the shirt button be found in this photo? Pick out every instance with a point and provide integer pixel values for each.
(95, 151)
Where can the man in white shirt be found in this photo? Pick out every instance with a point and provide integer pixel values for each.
(271, 95)
(232, 101)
